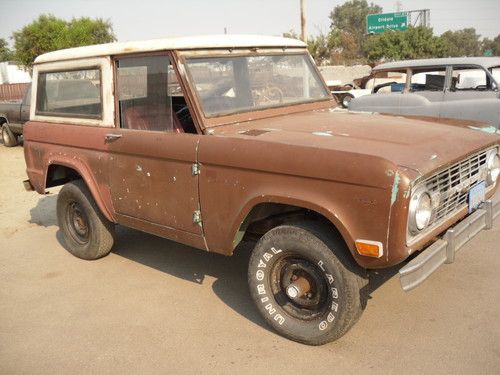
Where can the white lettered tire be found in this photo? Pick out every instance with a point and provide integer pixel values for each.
(305, 284)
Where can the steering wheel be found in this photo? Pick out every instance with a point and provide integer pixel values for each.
(183, 114)
(382, 85)
(270, 94)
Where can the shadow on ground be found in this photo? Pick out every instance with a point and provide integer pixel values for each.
(189, 263)
(193, 265)
(44, 213)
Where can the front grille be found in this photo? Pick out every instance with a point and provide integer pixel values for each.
(450, 187)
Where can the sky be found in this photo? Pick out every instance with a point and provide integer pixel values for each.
(149, 19)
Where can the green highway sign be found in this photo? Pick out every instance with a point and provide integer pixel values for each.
(488, 53)
(378, 23)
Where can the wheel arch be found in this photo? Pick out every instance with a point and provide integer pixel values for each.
(60, 172)
(275, 210)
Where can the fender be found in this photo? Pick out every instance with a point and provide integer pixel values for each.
(102, 201)
(328, 214)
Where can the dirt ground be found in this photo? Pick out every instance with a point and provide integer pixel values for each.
(154, 306)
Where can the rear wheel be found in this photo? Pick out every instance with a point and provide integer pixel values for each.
(9, 139)
(304, 284)
(87, 234)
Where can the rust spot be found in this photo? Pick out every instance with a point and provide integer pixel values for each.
(254, 132)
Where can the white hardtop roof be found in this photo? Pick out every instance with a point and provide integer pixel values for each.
(485, 62)
(180, 43)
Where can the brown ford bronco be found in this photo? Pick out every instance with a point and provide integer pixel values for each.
(211, 140)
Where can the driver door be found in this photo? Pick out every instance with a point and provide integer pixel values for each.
(151, 180)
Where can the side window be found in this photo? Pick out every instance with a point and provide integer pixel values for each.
(472, 79)
(145, 88)
(386, 82)
(495, 72)
(428, 80)
(75, 93)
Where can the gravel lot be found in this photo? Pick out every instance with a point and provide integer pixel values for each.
(155, 306)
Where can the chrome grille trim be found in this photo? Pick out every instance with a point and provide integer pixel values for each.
(450, 188)
(452, 185)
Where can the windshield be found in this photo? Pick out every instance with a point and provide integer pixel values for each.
(227, 85)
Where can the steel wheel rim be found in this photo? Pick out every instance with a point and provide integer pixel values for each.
(312, 304)
(77, 223)
(345, 102)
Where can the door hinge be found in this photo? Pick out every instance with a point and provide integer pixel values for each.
(197, 217)
(195, 169)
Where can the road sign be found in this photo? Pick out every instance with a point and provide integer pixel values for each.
(488, 53)
(378, 23)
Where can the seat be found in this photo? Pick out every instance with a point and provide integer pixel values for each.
(152, 117)
(434, 82)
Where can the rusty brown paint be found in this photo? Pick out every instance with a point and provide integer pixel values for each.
(355, 170)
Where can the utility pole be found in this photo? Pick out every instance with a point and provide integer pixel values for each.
(303, 33)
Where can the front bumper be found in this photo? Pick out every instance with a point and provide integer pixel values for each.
(444, 249)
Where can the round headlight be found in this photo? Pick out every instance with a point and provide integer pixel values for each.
(493, 165)
(420, 210)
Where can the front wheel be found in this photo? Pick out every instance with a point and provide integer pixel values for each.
(9, 139)
(305, 285)
(346, 100)
(87, 234)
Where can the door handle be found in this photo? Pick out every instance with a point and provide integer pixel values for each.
(112, 137)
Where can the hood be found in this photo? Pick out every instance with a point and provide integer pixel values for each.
(418, 144)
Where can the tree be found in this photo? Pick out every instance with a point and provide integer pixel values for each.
(413, 43)
(86, 31)
(5, 52)
(319, 47)
(350, 17)
(345, 49)
(463, 42)
(49, 33)
(493, 45)
(344, 42)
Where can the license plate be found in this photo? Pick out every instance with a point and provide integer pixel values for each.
(476, 196)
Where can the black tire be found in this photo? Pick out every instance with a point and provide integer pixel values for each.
(87, 234)
(9, 139)
(337, 291)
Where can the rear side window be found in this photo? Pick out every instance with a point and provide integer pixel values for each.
(428, 80)
(75, 93)
(471, 79)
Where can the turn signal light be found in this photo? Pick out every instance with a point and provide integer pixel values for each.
(367, 248)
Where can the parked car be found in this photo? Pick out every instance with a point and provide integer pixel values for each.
(13, 115)
(345, 93)
(209, 141)
(461, 88)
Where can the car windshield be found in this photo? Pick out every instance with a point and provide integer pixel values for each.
(227, 85)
